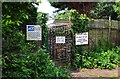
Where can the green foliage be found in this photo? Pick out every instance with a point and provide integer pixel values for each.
(79, 25)
(80, 21)
(14, 50)
(42, 18)
(117, 8)
(103, 60)
(104, 10)
(62, 15)
(60, 5)
(44, 67)
(103, 56)
(13, 37)
(76, 62)
(32, 65)
(19, 59)
(81, 7)
(16, 66)
(17, 12)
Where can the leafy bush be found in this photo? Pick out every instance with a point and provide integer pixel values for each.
(80, 21)
(76, 62)
(62, 15)
(103, 60)
(32, 65)
(93, 59)
(44, 67)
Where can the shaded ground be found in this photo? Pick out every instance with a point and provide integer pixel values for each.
(96, 73)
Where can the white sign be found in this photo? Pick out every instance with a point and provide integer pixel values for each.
(81, 38)
(34, 32)
(60, 39)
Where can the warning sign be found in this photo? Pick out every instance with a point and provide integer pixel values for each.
(34, 32)
(81, 38)
(60, 39)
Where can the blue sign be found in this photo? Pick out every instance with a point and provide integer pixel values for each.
(30, 28)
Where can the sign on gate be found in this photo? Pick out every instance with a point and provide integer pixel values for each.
(81, 38)
(34, 32)
(60, 39)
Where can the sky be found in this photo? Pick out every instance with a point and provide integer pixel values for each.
(46, 7)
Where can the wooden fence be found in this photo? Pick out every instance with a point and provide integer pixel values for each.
(99, 30)
(104, 30)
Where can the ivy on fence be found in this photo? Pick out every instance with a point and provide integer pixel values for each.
(79, 25)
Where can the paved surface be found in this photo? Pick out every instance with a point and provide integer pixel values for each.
(96, 73)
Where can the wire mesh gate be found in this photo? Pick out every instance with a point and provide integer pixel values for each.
(60, 52)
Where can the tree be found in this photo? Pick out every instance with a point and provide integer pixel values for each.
(117, 8)
(15, 16)
(104, 10)
(96, 10)
(21, 13)
(81, 7)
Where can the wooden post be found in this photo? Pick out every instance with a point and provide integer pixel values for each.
(109, 28)
(37, 45)
(118, 33)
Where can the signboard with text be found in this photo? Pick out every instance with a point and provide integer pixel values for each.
(60, 39)
(34, 32)
(81, 39)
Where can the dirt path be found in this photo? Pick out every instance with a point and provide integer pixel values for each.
(96, 73)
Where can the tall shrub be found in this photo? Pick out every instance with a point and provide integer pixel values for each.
(19, 58)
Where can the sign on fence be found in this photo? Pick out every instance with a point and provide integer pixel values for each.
(34, 32)
(60, 39)
(81, 39)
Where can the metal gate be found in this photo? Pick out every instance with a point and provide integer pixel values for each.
(60, 52)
